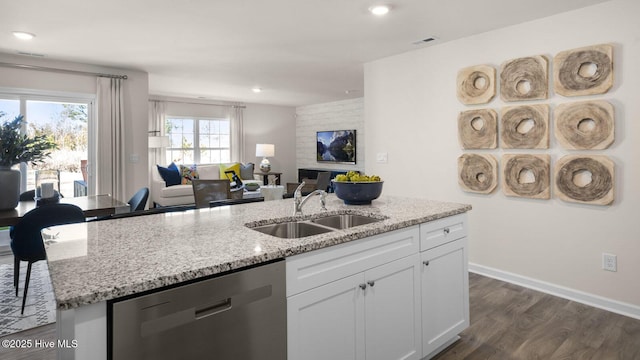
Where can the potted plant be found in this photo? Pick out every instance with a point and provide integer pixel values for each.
(16, 148)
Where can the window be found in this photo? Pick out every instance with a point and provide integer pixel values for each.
(198, 140)
(67, 122)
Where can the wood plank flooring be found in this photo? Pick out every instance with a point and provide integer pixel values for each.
(46, 333)
(507, 322)
(512, 322)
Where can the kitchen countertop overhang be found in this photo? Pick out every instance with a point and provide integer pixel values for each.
(103, 260)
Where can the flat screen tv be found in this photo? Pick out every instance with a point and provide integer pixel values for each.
(337, 146)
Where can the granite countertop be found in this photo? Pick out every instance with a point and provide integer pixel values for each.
(102, 260)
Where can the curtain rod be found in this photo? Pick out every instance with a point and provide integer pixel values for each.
(200, 103)
(66, 71)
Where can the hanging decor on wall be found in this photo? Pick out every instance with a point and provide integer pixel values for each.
(476, 84)
(583, 71)
(587, 179)
(587, 125)
(525, 127)
(524, 79)
(478, 173)
(478, 129)
(526, 176)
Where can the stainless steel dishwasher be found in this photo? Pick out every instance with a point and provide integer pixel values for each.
(239, 316)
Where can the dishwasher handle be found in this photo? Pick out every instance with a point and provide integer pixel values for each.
(216, 308)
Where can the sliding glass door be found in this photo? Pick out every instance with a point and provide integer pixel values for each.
(68, 122)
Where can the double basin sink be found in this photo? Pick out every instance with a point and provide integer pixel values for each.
(302, 228)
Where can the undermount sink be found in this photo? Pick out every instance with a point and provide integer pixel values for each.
(302, 228)
(292, 230)
(345, 221)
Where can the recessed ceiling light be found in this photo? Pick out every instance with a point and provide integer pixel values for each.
(256, 90)
(23, 35)
(379, 10)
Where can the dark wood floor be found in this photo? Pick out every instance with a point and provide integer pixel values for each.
(46, 333)
(507, 322)
(512, 322)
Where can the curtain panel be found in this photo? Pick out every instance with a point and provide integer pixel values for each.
(111, 175)
(237, 133)
(157, 120)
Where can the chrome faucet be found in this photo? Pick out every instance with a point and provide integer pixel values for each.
(298, 201)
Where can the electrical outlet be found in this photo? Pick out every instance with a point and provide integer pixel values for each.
(382, 157)
(609, 262)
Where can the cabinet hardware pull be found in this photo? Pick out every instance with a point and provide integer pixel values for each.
(363, 286)
(426, 263)
(446, 230)
(371, 283)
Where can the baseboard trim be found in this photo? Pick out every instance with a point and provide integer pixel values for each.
(600, 302)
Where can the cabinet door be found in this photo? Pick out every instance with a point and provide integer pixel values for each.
(445, 294)
(327, 322)
(392, 303)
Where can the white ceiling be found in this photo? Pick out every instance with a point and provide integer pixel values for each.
(298, 51)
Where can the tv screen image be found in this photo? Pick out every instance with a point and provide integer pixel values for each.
(337, 146)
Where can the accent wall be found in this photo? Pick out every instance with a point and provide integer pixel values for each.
(336, 115)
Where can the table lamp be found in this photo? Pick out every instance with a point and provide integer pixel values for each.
(158, 142)
(265, 150)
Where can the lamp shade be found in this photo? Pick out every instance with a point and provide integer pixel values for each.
(265, 150)
(159, 141)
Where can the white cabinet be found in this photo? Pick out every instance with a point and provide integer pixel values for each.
(327, 322)
(445, 294)
(445, 283)
(371, 314)
(398, 295)
(392, 310)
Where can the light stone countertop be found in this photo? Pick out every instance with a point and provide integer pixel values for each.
(102, 260)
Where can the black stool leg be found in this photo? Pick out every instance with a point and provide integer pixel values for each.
(26, 287)
(16, 273)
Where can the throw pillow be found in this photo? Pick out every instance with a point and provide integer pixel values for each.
(246, 171)
(170, 174)
(188, 173)
(227, 167)
(209, 172)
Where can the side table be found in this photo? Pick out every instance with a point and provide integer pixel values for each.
(265, 176)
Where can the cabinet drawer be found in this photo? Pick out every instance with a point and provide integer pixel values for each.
(309, 270)
(442, 231)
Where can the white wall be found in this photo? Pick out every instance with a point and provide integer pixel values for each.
(136, 92)
(337, 115)
(411, 112)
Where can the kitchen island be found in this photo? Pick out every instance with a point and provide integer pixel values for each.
(94, 262)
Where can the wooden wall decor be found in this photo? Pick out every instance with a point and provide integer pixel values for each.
(583, 71)
(524, 79)
(513, 169)
(477, 173)
(587, 125)
(476, 84)
(598, 191)
(478, 129)
(515, 130)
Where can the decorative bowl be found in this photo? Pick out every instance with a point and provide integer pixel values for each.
(357, 193)
(252, 186)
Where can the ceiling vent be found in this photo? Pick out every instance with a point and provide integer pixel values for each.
(424, 41)
(30, 54)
